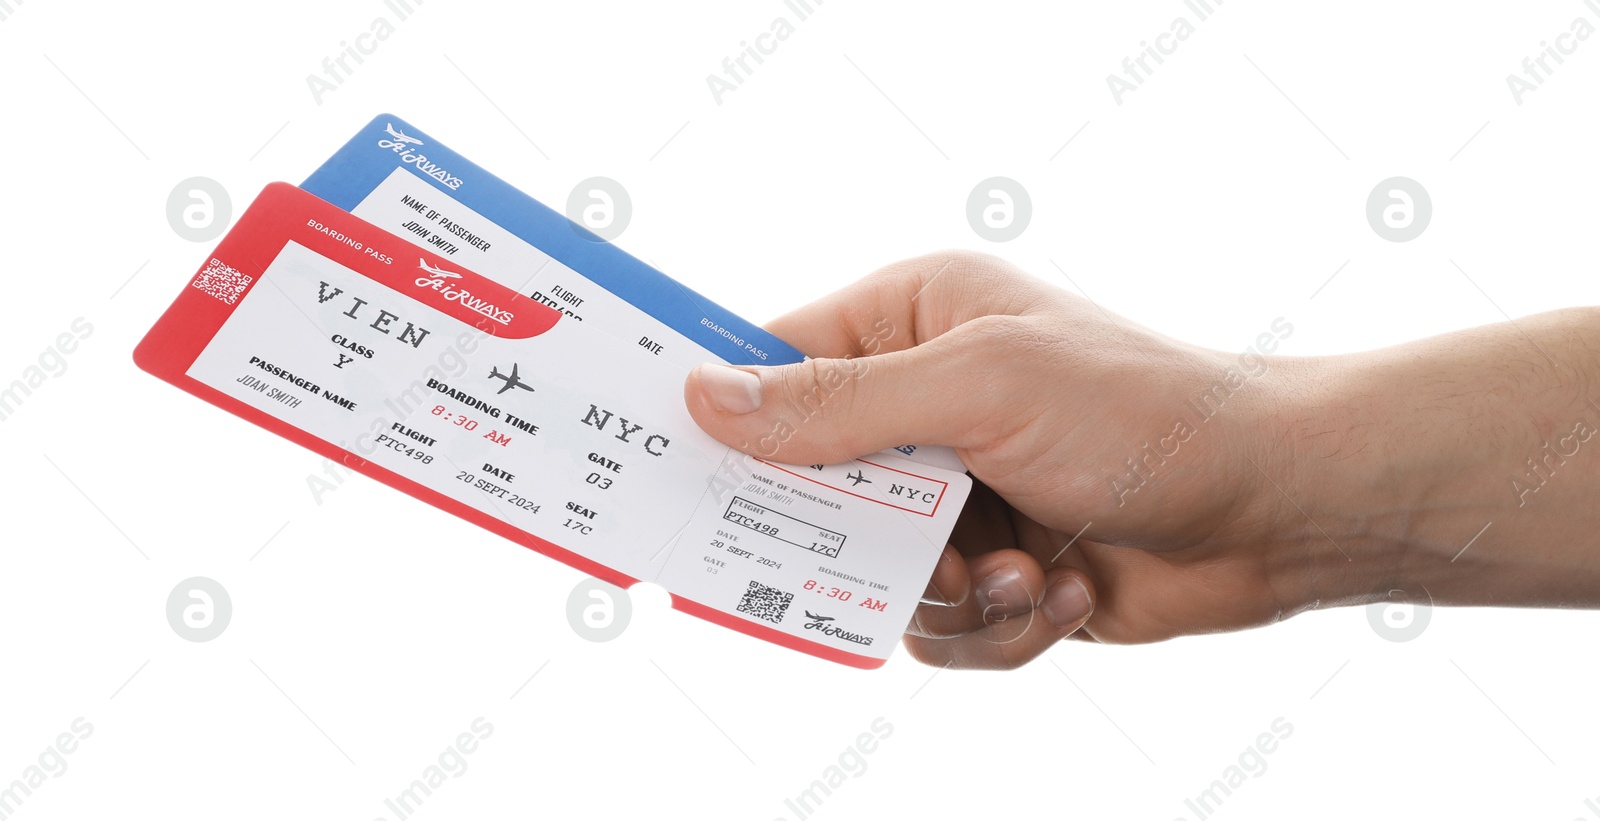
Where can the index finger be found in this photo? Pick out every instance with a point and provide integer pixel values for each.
(903, 305)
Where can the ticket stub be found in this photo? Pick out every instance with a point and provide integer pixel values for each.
(514, 415)
(404, 181)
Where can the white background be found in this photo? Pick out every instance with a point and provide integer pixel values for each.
(370, 630)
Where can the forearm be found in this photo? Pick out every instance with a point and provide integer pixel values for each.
(1466, 464)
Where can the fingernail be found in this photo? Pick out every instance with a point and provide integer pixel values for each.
(1067, 602)
(1001, 593)
(730, 389)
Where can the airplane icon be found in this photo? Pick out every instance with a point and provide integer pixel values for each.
(858, 478)
(398, 136)
(512, 381)
(438, 272)
(815, 617)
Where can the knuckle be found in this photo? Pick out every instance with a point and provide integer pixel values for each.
(817, 387)
(966, 261)
(986, 271)
(957, 265)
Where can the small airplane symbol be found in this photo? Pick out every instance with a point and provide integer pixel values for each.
(398, 136)
(438, 272)
(512, 381)
(815, 617)
(858, 478)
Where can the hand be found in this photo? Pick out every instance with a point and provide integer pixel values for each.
(1129, 487)
(1046, 399)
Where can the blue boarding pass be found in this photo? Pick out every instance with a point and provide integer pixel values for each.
(399, 178)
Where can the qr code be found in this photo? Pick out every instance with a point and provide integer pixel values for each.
(766, 603)
(222, 282)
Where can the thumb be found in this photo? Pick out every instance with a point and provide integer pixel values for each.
(827, 411)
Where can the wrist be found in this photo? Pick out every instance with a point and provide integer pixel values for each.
(1348, 492)
(1433, 467)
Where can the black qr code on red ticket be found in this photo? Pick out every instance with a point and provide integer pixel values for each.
(222, 281)
(765, 603)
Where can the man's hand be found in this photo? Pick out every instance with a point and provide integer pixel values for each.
(1131, 487)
